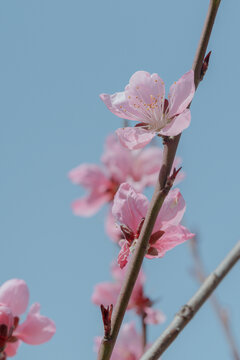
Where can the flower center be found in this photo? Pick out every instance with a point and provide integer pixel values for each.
(112, 189)
(155, 113)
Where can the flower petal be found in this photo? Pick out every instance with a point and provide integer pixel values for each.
(145, 89)
(181, 94)
(14, 293)
(88, 175)
(91, 177)
(117, 159)
(11, 348)
(106, 293)
(129, 345)
(89, 205)
(173, 236)
(36, 329)
(178, 124)
(154, 316)
(112, 229)
(129, 207)
(123, 254)
(146, 166)
(172, 210)
(134, 137)
(118, 104)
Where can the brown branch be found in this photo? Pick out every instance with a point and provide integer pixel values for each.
(220, 311)
(193, 305)
(160, 193)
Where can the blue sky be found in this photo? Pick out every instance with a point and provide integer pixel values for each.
(56, 57)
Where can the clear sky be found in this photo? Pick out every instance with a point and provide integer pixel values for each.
(56, 57)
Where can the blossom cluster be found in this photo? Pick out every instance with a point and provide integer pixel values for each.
(128, 168)
(35, 330)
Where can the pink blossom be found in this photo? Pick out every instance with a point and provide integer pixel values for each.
(129, 344)
(106, 293)
(6, 326)
(112, 228)
(144, 100)
(130, 208)
(36, 329)
(139, 168)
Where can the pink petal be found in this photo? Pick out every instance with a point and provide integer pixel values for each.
(36, 329)
(174, 235)
(172, 210)
(178, 124)
(11, 348)
(134, 137)
(90, 204)
(118, 105)
(146, 166)
(129, 207)
(105, 293)
(88, 175)
(181, 94)
(14, 294)
(129, 342)
(117, 159)
(6, 318)
(154, 316)
(112, 229)
(91, 177)
(128, 346)
(123, 254)
(119, 276)
(142, 90)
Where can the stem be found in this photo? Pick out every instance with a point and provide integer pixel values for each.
(187, 312)
(144, 331)
(160, 193)
(220, 311)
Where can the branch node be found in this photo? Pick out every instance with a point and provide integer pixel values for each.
(186, 312)
(170, 180)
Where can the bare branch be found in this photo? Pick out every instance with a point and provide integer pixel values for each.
(187, 312)
(222, 314)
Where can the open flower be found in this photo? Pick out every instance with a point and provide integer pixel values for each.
(144, 100)
(35, 330)
(106, 293)
(139, 168)
(130, 208)
(129, 345)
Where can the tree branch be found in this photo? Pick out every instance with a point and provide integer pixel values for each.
(160, 193)
(193, 305)
(220, 311)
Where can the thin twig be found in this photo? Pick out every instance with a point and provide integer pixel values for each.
(187, 312)
(160, 193)
(199, 273)
(144, 331)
